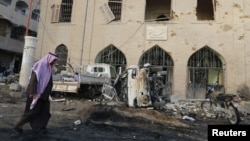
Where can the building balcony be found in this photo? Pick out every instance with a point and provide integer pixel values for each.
(17, 17)
(11, 44)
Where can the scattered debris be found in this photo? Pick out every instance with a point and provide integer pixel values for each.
(77, 122)
(188, 118)
(15, 87)
(56, 100)
(4, 106)
(68, 109)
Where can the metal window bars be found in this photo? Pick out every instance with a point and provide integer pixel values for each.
(109, 93)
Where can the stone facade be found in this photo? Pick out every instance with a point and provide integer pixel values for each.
(88, 33)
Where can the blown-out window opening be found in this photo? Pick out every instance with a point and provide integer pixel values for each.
(158, 10)
(116, 8)
(205, 9)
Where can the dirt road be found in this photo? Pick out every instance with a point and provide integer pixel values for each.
(100, 122)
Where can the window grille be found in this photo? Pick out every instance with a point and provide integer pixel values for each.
(111, 55)
(116, 8)
(66, 10)
(205, 58)
(62, 12)
(156, 56)
(204, 68)
(62, 53)
(107, 13)
(159, 57)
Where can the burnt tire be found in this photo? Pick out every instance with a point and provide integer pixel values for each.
(92, 93)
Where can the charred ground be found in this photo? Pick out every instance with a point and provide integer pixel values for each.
(101, 122)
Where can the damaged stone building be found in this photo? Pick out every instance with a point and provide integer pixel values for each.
(13, 21)
(200, 42)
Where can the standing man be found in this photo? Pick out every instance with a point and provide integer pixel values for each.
(37, 110)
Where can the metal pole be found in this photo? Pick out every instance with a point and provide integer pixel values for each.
(28, 20)
(84, 28)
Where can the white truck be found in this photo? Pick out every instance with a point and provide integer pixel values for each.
(89, 84)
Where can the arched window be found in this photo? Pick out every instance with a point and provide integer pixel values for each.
(112, 55)
(205, 68)
(205, 57)
(62, 53)
(156, 56)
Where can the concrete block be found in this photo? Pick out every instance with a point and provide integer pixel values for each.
(17, 95)
(15, 87)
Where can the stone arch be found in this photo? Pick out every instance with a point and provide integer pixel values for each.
(157, 56)
(62, 52)
(205, 69)
(112, 55)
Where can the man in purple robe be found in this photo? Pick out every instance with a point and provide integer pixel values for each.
(37, 109)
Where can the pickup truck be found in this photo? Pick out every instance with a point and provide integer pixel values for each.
(88, 84)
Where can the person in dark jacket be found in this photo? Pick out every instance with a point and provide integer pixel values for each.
(37, 109)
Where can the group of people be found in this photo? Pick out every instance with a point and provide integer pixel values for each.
(37, 109)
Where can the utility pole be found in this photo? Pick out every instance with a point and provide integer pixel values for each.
(28, 20)
(28, 54)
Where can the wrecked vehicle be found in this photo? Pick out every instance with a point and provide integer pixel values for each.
(88, 84)
(145, 86)
(140, 87)
(136, 86)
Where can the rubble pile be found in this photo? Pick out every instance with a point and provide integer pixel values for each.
(10, 79)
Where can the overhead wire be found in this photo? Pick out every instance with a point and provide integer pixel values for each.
(122, 45)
